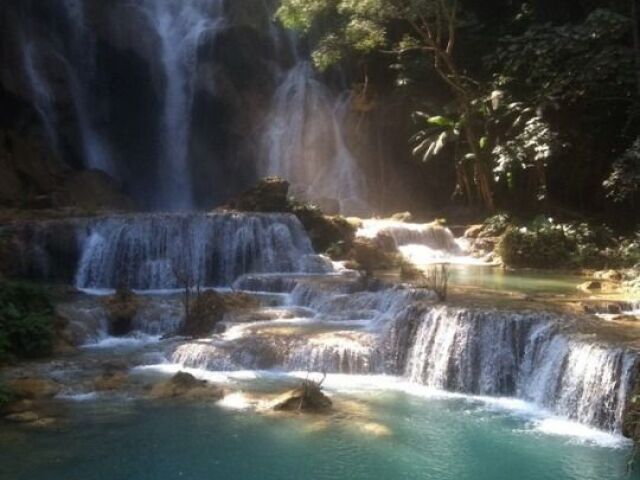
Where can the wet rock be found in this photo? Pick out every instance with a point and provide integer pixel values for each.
(473, 231)
(33, 388)
(591, 285)
(370, 257)
(185, 386)
(22, 417)
(18, 406)
(269, 195)
(207, 310)
(402, 217)
(111, 381)
(307, 398)
(608, 275)
(324, 231)
(121, 309)
(631, 416)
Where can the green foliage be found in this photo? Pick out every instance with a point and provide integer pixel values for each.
(496, 225)
(522, 248)
(544, 243)
(26, 321)
(571, 61)
(624, 182)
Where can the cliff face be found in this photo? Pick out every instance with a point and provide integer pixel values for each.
(173, 97)
(90, 82)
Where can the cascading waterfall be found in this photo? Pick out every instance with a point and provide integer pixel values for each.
(169, 251)
(180, 26)
(398, 331)
(304, 142)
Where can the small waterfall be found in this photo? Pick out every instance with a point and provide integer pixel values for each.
(524, 355)
(429, 235)
(304, 142)
(180, 26)
(160, 251)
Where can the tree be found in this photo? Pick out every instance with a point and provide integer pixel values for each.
(426, 27)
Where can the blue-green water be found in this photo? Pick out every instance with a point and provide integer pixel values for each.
(430, 439)
(523, 281)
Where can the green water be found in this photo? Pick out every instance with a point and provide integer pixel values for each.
(522, 281)
(431, 439)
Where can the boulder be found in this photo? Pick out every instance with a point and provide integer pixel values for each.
(307, 398)
(110, 381)
(186, 386)
(207, 309)
(269, 195)
(33, 388)
(23, 417)
(590, 286)
(608, 275)
(370, 257)
(121, 309)
(324, 231)
(473, 231)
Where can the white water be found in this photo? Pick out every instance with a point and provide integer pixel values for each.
(420, 243)
(181, 26)
(304, 142)
(478, 352)
(170, 251)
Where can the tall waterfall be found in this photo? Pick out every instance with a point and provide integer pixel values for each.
(40, 93)
(180, 26)
(305, 144)
(160, 251)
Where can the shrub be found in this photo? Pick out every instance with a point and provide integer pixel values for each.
(26, 321)
(543, 249)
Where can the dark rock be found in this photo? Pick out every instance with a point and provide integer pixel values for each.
(307, 398)
(186, 386)
(207, 309)
(269, 195)
(121, 309)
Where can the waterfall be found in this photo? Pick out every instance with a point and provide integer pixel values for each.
(166, 251)
(180, 26)
(524, 355)
(535, 356)
(40, 94)
(304, 142)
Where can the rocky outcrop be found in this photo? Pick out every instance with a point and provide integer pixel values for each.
(185, 386)
(33, 388)
(121, 309)
(307, 398)
(207, 309)
(272, 195)
(269, 195)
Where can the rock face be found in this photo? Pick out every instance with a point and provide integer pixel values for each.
(185, 386)
(269, 195)
(33, 388)
(121, 309)
(307, 398)
(208, 308)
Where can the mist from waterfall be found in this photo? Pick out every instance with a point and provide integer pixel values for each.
(304, 141)
(180, 26)
(79, 64)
